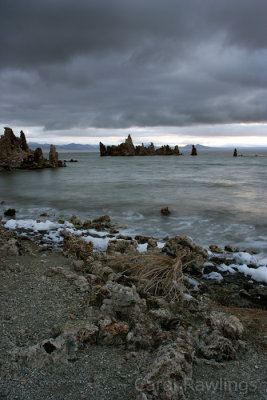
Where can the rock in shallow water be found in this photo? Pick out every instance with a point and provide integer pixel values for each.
(165, 211)
(10, 212)
(15, 154)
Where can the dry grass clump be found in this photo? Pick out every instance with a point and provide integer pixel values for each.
(158, 275)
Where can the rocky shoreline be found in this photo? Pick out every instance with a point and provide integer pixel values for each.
(136, 320)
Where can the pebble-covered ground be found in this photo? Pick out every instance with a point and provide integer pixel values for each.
(34, 300)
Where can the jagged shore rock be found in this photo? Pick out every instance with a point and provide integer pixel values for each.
(16, 154)
(128, 149)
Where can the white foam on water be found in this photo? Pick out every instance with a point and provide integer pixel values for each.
(98, 243)
(33, 225)
(99, 233)
(53, 235)
(261, 259)
(252, 243)
(54, 232)
(245, 258)
(132, 216)
(142, 248)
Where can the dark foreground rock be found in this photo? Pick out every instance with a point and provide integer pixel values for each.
(10, 212)
(15, 154)
(128, 149)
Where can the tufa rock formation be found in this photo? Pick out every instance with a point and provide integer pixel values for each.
(10, 212)
(24, 146)
(15, 154)
(165, 211)
(53, 156)
(194, 151)
(123, 149)
(127, 149)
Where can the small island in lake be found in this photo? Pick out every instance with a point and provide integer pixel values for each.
(16, 154)
(128, 149)
(194, 151)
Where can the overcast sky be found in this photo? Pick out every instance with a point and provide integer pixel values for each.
(170, 71)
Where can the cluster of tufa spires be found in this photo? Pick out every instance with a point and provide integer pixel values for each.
(16, 154)
(128, 149)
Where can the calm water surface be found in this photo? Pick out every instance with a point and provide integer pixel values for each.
(213, 198)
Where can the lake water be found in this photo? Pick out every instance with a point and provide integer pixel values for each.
(213, 198)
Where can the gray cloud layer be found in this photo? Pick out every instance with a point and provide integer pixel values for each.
(123, 63)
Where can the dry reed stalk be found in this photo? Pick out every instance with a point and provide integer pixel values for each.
(156, 274)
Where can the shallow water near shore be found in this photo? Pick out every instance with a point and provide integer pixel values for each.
(213, 198)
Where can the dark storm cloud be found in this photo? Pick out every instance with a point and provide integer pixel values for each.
(123, 63)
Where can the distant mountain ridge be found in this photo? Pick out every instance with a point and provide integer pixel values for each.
(95, 147)
(66, 147)
(198, 147)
